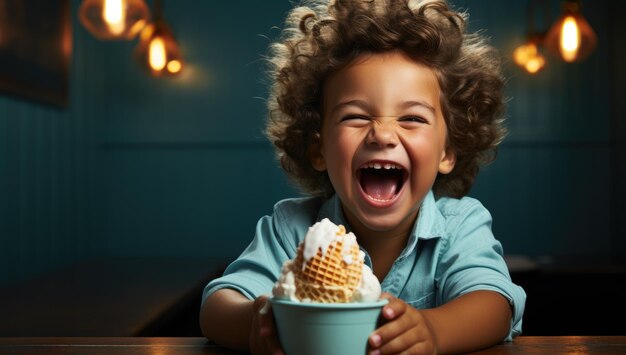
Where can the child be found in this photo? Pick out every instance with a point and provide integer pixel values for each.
(383, 111)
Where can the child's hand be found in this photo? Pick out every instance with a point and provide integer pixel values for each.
(403, 330)
(263, 335)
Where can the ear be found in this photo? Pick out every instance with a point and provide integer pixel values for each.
(448, 159)
(315, 153)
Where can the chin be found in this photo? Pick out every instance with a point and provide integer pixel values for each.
(380, 223)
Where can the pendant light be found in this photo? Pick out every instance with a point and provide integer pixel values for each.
(158, 51)
(114, 19)
(571, 37)
(528, 55)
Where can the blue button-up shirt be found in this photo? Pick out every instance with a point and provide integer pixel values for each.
(451, 251)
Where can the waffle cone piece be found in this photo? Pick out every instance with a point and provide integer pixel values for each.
(331, 276)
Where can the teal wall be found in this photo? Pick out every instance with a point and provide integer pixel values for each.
(550, 189)
(178, 166)
(183, 166)
(47, 185)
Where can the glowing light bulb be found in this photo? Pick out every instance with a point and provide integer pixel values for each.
(158, 51)
(113, 19)
(528, 57)
(114, 14)
(524, 53)
(174, 66)
(570, 39)
(156, 54)
(535, 64)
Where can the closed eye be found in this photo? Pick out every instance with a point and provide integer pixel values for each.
(354, 117)
(416, 119)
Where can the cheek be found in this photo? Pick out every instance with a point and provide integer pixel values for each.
(426, 150)
(339, 153)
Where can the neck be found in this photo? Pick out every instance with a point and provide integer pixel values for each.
(383, 246)
(383, 250)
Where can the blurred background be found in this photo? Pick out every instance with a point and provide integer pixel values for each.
(103, 159)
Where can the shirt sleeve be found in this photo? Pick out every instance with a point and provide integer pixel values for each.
(473, 260)
(256, 270)
(275, 241)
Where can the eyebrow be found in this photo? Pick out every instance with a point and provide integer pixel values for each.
(367, 107)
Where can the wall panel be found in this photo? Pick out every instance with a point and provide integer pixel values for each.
(159, 166)
(46, 158)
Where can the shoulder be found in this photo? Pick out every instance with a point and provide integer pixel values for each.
(298, 209)
(450, 207)
(293, 216)
(463, 213)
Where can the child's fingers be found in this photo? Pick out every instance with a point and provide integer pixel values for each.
(395, 345)
(273, 346)
(267, 329)
(388, 332)
(266, 318)
(395, 335)
(265, 308)
(393, 309)
(404, 344)
(259, 303)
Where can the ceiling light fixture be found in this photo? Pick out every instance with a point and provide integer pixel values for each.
(571, 37)
(157, 51)
(528, 55)
(114, 19)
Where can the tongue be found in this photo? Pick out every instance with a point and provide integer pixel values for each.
(380, 187)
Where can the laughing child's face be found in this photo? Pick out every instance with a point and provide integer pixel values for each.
(383, 140)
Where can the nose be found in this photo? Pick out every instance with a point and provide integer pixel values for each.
(383, 134)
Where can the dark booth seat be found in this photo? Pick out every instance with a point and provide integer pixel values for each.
(112, 297)
(157, 297)
(572, 294)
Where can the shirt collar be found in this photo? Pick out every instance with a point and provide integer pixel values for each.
(331, 209)
(430, 222)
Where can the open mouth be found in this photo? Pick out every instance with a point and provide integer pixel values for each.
(381, 181)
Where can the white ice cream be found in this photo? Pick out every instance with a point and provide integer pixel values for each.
(320, 236)
(369, 290)
(285, 287)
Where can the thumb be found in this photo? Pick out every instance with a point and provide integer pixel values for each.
(261, 304)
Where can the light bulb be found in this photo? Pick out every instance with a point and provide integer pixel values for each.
(174, 66)
(523, 53)
(156, 54)
(571, 37)
(158, 51)
(569, 41)
(528, 57)
(113, 19)
(114, 13)
(535, 64)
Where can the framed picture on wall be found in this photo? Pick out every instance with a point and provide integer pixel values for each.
(35, 50)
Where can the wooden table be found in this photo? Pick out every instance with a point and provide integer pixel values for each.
(192, 345)
(561, 345)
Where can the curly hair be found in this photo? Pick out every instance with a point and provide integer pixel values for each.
(321, 38)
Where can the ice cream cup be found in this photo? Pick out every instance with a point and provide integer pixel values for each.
(325, 328)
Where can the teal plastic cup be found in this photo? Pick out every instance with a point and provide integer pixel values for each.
(325, 328)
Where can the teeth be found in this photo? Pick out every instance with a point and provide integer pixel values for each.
(386, 166)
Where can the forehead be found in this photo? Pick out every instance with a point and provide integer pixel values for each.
(383, 78)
